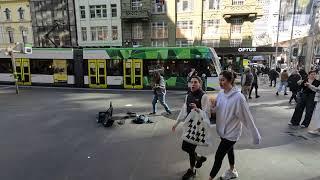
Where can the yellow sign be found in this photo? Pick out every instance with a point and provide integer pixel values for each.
(60, 71)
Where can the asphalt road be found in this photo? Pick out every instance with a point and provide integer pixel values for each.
(51, 134)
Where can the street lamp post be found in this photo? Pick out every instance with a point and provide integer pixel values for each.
(277, 45)
(293, 18)
(10, 52)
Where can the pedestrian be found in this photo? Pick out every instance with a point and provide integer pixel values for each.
(232, 112)
(204, 82)
(195, 110)
(273, 75)
(254, 83)
(293, 85)
(316, 112)
(306, 102)
(246, 82)
(159, 93)
(283, 82)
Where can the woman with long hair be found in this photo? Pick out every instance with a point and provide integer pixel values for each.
(194, 112)
(159, 93)
(232, 112)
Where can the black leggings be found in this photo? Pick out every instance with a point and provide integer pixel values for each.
(254, 85)
(225, 147)
(191, 150)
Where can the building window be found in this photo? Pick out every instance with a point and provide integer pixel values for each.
(21, 13)
(211, 42)
(24, 36)
(159, 43)
(114, 10)
(184, 43)
(137, 31)
(84, 33)
(235, 42)
(99, 33)
(238, 2)
(211, 27)
(8, 14)
(184, 29)
(10, 34)
(184, 5)
(159, 30)
(212, 4)
(98, 11)
(236, 24)
(136, 5)
(114, 32)
(158, 6)
(83, 12)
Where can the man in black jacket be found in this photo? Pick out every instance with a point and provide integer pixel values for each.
(273, 75)
(306, 102)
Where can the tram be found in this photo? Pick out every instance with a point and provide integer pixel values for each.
(129, 68)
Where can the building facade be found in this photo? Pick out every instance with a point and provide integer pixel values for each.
(213, 23)
(98, 22)
(53, 23)
(15, 22)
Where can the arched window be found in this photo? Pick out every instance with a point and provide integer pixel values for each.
(21, 13)
(8, 15)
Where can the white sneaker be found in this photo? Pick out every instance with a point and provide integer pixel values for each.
(314, 132)
(230, 174)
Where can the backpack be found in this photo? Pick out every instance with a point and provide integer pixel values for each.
(105, 118)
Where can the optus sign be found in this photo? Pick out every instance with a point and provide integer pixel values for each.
(247, 49)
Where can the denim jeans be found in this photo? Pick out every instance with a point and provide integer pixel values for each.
(285, 84)
(162, 98)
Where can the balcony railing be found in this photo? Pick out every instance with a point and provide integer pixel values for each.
(136, 11)
(251, 11)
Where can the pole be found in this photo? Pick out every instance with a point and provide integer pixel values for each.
(279, 18)
(201, 24)
(15, 76)
(293, 17)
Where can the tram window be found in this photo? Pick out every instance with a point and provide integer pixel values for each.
(70, 68)
(5, 66)
(41, 67)
(114, 67)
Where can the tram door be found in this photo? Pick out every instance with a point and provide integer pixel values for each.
(133, 74)
(97, 73)
(23, 71)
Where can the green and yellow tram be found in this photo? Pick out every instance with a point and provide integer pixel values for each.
(128, 68)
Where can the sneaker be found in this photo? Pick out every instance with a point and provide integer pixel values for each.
(277, 94)
(152, 113)
(285, 94)
(314, 132)
(201, 160)
(230, 175)
(294, 127)
(257, 96)
(303, 126)
(190, 173)
(250, 97)
(169, 113)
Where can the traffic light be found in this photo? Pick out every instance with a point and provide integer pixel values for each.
(295, 52)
